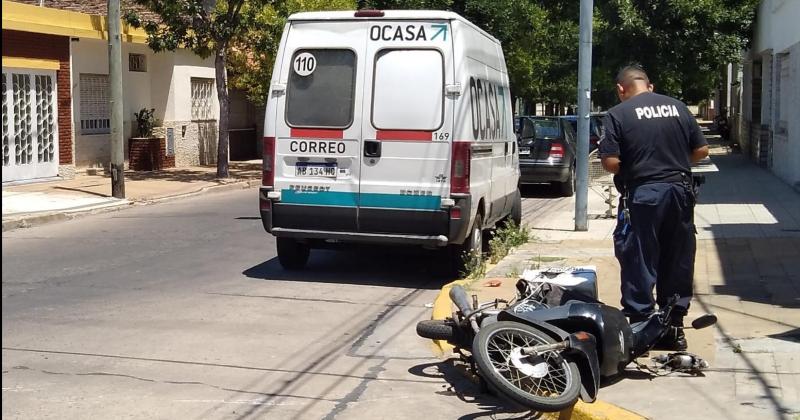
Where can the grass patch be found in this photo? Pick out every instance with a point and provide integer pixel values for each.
(514, 273)
(474, 266)
(507, 237)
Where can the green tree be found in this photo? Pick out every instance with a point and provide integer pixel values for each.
(206, 27)
(252, 55)
(681, 43)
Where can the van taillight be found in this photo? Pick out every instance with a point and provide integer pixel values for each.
(459, 168)
(369, 13)
(268, 168)
(556, 150)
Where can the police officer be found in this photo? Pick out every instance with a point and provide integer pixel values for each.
(650, 142)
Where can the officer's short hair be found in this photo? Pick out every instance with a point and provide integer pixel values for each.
(631, 73)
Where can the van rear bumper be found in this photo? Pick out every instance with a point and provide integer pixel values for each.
(391, 226)
(387, 238)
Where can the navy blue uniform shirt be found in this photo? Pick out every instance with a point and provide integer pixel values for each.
(653, 135)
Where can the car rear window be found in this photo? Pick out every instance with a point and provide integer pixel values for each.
(321, 88)
(408, 90)
(546, 129)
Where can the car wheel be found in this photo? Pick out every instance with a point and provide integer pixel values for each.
(567, 188)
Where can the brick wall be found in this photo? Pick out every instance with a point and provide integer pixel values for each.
(149, 154)
(48, 47)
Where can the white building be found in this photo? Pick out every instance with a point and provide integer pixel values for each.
(56, 97)
(766, 92)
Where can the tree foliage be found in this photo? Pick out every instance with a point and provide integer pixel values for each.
(681, 43)
(253, 52)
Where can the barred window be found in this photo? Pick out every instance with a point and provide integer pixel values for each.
(95, 112)
(137, 62)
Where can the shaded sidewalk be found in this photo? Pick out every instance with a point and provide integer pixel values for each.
(747, 271)
(25, 205)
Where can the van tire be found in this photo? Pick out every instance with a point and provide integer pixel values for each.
(472, 244)
(292, 254)
(516, 209)
(567, 188)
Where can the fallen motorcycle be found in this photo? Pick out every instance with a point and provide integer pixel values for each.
(555, 340)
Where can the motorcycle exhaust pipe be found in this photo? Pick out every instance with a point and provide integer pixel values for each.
(536, 350)
(459, 296)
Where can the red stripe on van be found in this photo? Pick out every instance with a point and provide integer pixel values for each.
(318, 133)
(404, 135)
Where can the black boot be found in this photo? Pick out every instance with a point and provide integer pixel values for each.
(674, 339)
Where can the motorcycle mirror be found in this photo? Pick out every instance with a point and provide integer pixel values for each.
(704, 321)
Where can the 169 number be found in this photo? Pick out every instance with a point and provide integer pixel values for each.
(441, 136)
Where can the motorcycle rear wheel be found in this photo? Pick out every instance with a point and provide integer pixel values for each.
(555, 390)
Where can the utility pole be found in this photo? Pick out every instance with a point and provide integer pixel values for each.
(584, 104)
(115, 85)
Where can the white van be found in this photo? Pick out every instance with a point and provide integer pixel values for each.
(387, 127)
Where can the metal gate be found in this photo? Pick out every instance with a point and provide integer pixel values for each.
(30, 134)
(203, 116)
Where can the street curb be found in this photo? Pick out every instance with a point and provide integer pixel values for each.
(598, 410)
(31, 220)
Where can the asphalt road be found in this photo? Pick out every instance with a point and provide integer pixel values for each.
(181, 310)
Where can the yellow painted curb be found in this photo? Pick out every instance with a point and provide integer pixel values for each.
(601, 410)
(443, 308)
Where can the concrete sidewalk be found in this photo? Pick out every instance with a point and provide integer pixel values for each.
(25, 205)
(747, 272)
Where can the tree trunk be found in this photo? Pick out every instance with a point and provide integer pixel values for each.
(220, 61)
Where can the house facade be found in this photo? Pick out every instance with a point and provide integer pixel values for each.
(56, 96)
(764, 96)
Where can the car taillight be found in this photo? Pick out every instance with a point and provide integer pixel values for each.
(556, 150)
(459, 168)
(268, 168)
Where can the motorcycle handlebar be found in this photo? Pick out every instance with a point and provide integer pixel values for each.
(459, 296)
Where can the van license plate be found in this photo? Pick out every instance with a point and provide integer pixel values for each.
(524, 151)
(315, 170)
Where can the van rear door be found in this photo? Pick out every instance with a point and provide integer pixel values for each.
(407, 127)
(318, 125)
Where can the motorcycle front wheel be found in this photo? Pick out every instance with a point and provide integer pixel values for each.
(545, 382)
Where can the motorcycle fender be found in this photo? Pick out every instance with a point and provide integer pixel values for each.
(583, 351)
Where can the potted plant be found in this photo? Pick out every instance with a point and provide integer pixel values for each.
(145, 122)
(146, 152)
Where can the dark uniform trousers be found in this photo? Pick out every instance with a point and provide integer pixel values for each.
(657, 248)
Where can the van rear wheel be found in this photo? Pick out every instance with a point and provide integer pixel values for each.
(292, 254)
(470, 252)
(516, 210)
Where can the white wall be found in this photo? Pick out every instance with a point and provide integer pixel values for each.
(777, 27)
(188, 65)
(165, 86)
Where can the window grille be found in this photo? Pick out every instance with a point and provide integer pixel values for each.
(95, 112)
(6, 145)
(23, 120)
(45, 119)
(137, 62)
(201, 99)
